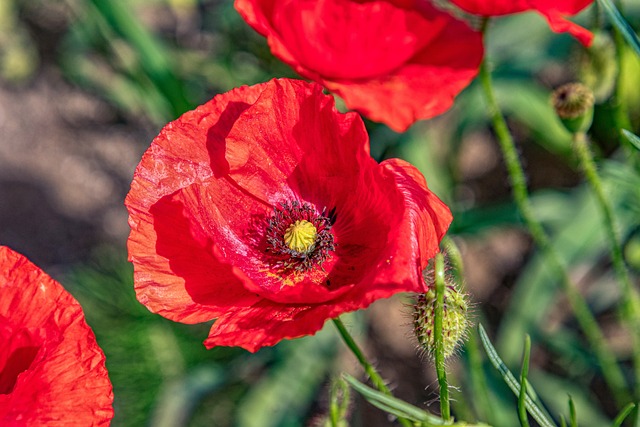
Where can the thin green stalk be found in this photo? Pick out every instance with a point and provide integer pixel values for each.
(610, 370)
(631, 307)
(441, 369)
(376, 379)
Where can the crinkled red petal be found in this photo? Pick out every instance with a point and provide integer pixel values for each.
(53, 372)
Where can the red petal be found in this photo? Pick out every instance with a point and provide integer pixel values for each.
(427, 57)
(66, 382)
(348, 43)
(423, 87)
(493, 7)
(266, 324)
(187, 151)
(397, 268)
(555, 11)
(559, 24)
(197, 249)
(176, 271)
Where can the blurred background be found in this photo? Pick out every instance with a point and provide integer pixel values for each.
(85, 85)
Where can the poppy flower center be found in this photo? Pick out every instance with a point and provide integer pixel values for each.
(298, 237)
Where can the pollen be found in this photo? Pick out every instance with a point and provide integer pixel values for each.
(300, 236)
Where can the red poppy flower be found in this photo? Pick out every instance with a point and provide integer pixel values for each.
(395, 65)
(52, 371)
(555, 11)
(263, 208)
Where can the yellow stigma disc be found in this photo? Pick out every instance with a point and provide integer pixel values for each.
(300, 236)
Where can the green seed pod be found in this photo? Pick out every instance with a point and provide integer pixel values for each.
(454, 322)
(573, 103)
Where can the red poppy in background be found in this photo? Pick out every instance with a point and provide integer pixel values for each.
(263, 208)
(555, 11)
(52, 372)
(394, 64)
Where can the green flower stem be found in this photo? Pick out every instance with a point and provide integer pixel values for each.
(375, 377)
(631, 308)
(481, 402)
(610, 369)
(441, 370)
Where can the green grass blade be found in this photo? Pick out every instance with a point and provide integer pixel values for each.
(511, 381)
(621, 24)
(633, 139)
(522, 409)
(617, 421)
(572, 413)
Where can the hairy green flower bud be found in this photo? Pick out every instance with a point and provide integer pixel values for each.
(454, 322)
(573, 103)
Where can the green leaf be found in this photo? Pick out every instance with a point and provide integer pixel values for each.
(512, 382)
(393, 405)
(573, 419)
(522, 410)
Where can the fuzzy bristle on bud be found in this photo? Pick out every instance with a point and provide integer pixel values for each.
(454, 321)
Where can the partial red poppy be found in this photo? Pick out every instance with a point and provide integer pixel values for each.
(394, 64)
(263, 208)
(555, 12)
(52, 372)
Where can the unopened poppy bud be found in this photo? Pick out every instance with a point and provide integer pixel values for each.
(573, 103)
(598, 67)
(454, 319)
